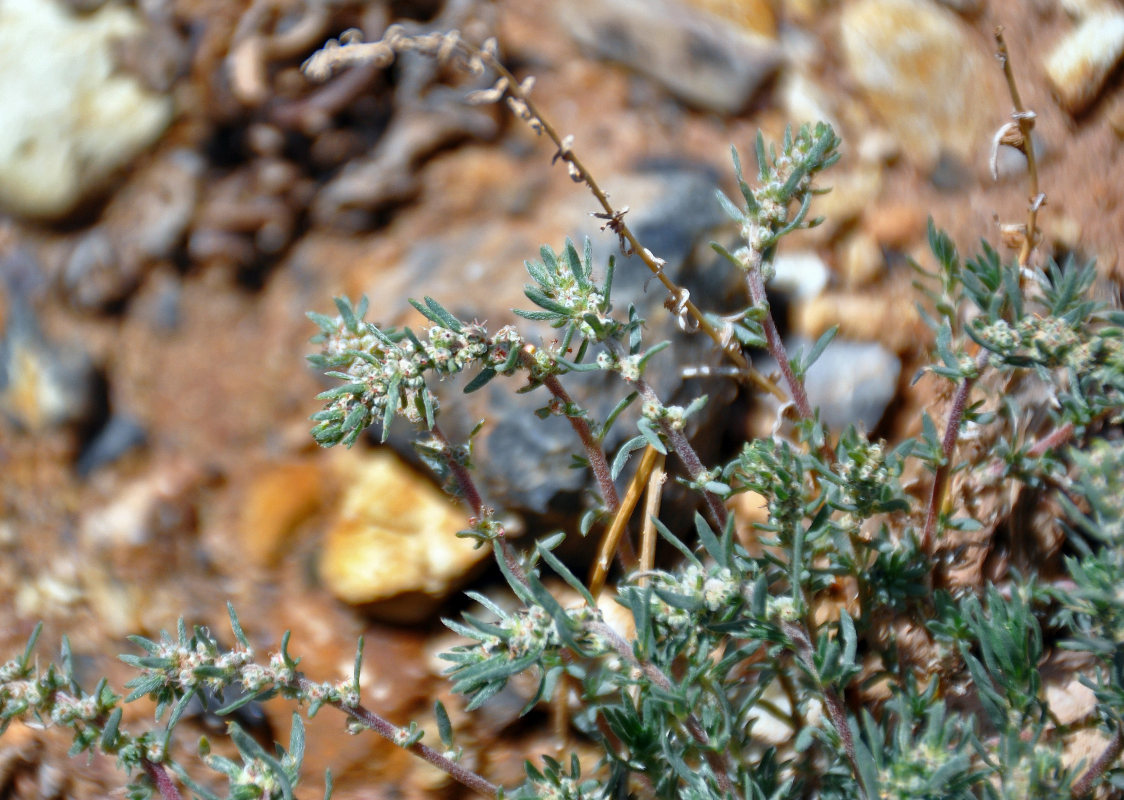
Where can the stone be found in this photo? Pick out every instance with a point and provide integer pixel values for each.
(68, 118)
(120, 434)
(853, 383)
(861, 259)
(43, 384)
(1079, 64)
(801, 275)
(920, 70)
(1010, 163)
(804, 100)
(897, 225)
(850, 383)
(393, 546)
(699, 57)
(863, 316)
(852, 194)
(756, 16)
(279, 499)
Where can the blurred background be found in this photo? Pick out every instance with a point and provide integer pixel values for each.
(175, 194)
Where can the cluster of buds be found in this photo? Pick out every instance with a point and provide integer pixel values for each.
(785, 181)
(383, 372)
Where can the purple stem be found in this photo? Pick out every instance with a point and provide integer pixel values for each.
(1098, 768)
(948, 448)
(593, 450)
(1055, 438)
(832, 701)
(392, 732)
(756, 286)
(159, 776)
(471, 496)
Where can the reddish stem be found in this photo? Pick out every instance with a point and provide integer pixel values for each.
(832, 702)
(472, 497)
(1055, 438)
(163, 781)
(598, 463)
(756, 286)
(392, 732)
(1098, 768)
(948, 449)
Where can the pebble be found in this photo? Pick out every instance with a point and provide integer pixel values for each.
(1011, 163)
(279, 499)
(756, 16)
(43, 384)
(96, 274)
(861, 260)
(852, 383)
(704, 61)
(896, 51)
(1079, 64)
(852, 193)
(804, 100)
(119, 435)
(801, 275)
(897, 225)
(393, 546)
(889, 317)
(68, 118)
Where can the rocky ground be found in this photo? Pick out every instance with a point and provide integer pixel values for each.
(176, 195)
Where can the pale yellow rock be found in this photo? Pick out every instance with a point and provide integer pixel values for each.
(928, 79)
(395, 537)
(862, 261)
(852, 193)
(889, 317)
(68, 119)
(1079, 64)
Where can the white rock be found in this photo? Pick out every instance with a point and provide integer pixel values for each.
(801, 275)
(805, 101)
(67, 120)
(923, 74)
(1079, 64)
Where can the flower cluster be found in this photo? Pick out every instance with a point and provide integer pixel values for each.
(785, 180)
(384, 371)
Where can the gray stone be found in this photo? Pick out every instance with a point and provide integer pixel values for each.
(700, 59)
(42, 384)
(853, 383)
(119, 435)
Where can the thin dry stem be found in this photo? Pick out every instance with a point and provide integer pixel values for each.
(610, 542)
(651, 513)
(335, 54)
(1025, 121)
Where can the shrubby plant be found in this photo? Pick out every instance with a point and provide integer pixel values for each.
(838, 625)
